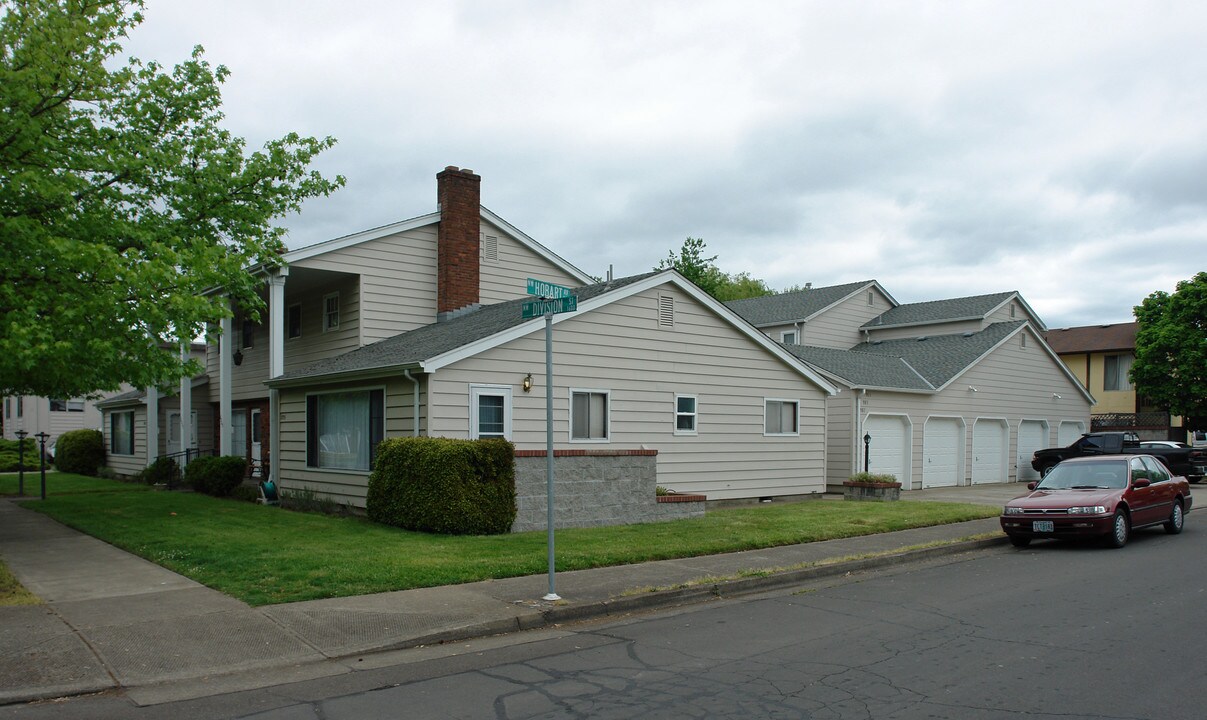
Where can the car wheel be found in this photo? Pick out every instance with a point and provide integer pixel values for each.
(1121, 528)
(1177, 518)
(1018, 541)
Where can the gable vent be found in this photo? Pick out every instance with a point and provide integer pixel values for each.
(490, 248)
(666, 311)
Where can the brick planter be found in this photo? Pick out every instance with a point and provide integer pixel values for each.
(681, 498)
(876, 491)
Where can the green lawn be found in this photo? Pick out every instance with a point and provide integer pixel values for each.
(11, 591)
(58, 483)
(267, 555)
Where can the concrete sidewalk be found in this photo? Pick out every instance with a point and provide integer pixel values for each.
(113, 620)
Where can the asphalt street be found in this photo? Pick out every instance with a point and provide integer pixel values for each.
(1053, 631)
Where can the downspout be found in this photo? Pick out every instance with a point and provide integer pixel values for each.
(414, 401)
(863, 393)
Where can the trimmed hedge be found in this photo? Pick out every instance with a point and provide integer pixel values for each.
(443, 485)
(164, 471)
(80, 452)
(217, 476)
(10, 459)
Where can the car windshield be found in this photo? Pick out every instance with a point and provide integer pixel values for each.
(1072, 476)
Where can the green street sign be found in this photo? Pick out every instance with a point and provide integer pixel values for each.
(537, 308)
(540, 288)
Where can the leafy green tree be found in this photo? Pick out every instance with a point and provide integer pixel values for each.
(1171, 350)
(123, 201)
(703, 271)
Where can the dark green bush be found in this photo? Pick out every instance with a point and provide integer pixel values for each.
(164, 471)
(9, 457)
(80, 451)
(217, 476)
(442, 485)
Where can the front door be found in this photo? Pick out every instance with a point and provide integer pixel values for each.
(174, 433)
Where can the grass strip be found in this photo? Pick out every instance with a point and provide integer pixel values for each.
(13, 592)
(265, 555)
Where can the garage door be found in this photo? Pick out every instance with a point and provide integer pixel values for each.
(989, 441)
(942, 463)
(889, 449)
(1032, 436)
(1069, 432)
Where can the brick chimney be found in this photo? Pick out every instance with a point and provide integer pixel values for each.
(458, 193)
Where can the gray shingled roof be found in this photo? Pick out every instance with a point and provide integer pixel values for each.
(940, 358)
(413, 347)
(908, 364)
(975, 307)
(862, 369)
(137, 395)
(792, 306)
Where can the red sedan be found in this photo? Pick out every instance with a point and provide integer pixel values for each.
(1107, 496)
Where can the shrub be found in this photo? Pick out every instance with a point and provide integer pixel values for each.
(107, 473)
(246, 493)
(441, 485)
(217, 476)
(164, 471)
(80, 451)
(10, 455)
(884, 478)
(307, 500)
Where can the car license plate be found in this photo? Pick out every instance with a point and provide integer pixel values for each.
(1043, 526)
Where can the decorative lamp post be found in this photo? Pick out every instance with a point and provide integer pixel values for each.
(42, 438)
(21, 462)
(867, 449)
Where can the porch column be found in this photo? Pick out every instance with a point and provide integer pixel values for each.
(276, 367)
(186, 406)
(226, 427)
(152, 424)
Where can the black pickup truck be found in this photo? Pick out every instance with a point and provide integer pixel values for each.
(1190, 463)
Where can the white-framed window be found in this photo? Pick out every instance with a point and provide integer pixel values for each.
(293, 325)
(331, 312)
(1115, 369)
(121, 433)
(589, 415)
(686, 408)
(788, 337)
(489, 411)
(73, 405)
(781, 417)
(343, 428)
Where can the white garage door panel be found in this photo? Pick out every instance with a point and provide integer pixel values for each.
(1032, 436)
(941, 452)
(1069, 432)
(888, 447)
(988, 452)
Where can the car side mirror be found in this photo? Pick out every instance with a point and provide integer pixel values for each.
(1141, 482)
(1031, 485)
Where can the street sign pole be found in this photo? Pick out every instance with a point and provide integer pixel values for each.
(549, 450)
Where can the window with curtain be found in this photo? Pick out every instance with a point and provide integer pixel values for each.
(1115, 369)
(344, 428)
(121, 433)
(588, 415)
(780, 417)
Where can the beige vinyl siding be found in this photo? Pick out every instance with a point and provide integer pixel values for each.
(1002, 314)
(1013, 383)
(840, 424)
(315, 344)
(930, 330)
(397, 280)
(621, 349)
(343, 486)
(506, 278)
(127, 465)
(838, 326)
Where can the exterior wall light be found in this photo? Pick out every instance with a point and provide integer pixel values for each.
(237, 357)
(528, 383)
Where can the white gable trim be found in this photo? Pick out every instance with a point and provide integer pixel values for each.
(377, 233)
(521, 237)
(1039, 340)
(666, 277)
(346, 241)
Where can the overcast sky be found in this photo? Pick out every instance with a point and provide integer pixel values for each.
(944, 149)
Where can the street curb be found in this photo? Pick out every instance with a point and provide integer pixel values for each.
(541, 618)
